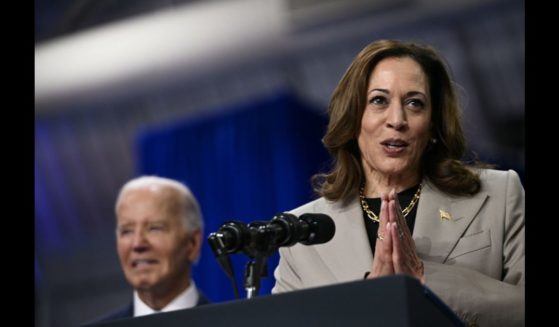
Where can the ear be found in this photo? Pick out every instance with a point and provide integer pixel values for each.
(194, 245)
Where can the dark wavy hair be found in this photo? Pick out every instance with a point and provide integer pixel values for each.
(441, 163)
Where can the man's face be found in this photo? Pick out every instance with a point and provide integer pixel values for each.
(154, 246)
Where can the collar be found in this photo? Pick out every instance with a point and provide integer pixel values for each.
(187, 299)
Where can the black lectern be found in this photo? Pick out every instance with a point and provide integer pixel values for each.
(389, 301)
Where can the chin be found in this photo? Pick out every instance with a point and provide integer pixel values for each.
(144, 286)
(143, 282)
(394, 170)
(397, 166)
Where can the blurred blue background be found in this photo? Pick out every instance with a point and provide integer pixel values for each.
(229, 97)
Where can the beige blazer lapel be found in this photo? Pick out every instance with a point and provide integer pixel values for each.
(435, 237)
(348, 254)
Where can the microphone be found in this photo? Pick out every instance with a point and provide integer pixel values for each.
(260, 239)
(310, 228)
(230, 238)
(284, 229)
(231, 233)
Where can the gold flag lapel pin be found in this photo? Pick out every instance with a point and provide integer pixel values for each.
(444, 215)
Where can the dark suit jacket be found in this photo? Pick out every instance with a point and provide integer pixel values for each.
(128, 311)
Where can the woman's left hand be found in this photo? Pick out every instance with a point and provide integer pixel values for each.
(404, 253)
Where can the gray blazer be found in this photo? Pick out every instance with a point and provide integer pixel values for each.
(474, 261)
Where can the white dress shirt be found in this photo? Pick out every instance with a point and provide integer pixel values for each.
(187, 299)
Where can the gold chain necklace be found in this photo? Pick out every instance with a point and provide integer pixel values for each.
(374, 217)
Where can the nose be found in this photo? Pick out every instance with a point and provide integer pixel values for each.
(140, 242)
(396, 117)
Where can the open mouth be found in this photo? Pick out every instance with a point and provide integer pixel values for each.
(141, 263)
(394, 143)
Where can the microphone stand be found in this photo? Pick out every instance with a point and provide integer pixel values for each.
(255, 269)
(258, 249)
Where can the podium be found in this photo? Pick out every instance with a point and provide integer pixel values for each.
(388, 301)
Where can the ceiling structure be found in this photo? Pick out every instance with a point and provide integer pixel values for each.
(56, 18)
(94, 48)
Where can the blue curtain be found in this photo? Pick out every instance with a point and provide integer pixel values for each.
(246, 163)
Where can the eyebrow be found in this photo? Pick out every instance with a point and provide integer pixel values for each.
(411, 93)
(381, 90)
(128, 225)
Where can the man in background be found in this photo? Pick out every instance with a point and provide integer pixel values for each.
(159, 236)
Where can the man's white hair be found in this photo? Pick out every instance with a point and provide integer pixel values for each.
(192, 216)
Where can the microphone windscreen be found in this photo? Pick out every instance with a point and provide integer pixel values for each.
(322, 228)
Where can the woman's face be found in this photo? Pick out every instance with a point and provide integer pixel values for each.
(396, 123)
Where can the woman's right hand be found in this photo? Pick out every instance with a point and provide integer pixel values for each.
(404, 254)
(382, 258)
(395, 250)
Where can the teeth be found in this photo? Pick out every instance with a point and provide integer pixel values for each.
(140, 262)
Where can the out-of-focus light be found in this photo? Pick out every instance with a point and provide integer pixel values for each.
(185, 40)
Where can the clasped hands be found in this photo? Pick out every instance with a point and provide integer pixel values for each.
(395, 251)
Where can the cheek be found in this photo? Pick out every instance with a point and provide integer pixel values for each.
(172, 251)
(368, 125)
(424, 138)
(422, 130)
(122, 250)
(367, 132)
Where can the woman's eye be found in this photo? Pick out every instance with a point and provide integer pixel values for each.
(416, 103)
(378, 100)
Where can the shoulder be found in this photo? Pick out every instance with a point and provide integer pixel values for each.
(124, 312)
(320, 205)
(202, 299)
(492, 179)
(494, 174)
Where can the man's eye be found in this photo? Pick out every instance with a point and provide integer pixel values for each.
(123, 232)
